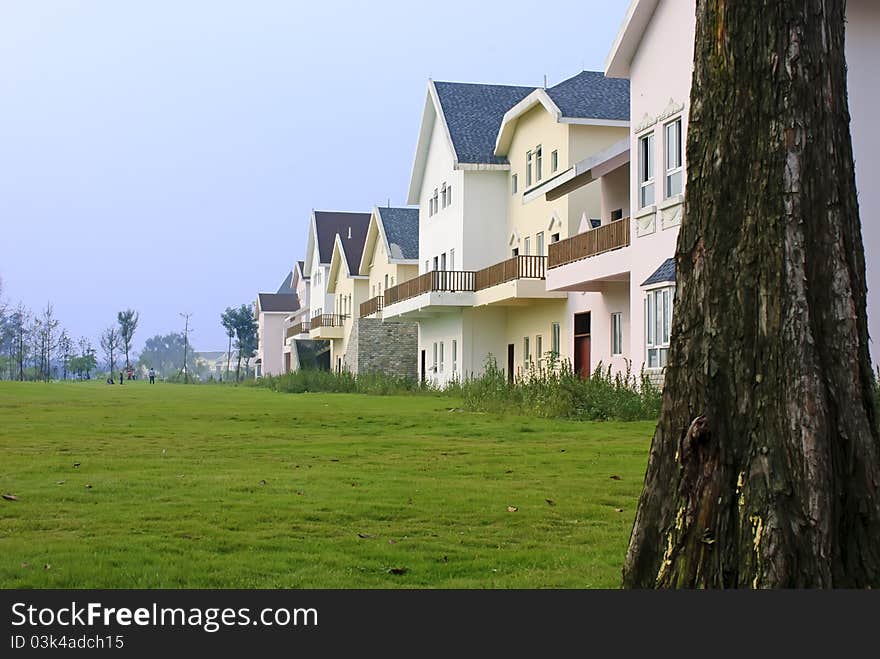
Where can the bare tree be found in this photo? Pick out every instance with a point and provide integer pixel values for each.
(128, 322)
(48, 339)
(110, 345)
(765, 465)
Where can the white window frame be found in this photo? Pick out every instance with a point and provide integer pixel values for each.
(555, 339)
(672, 158)
(527, 246)
(658, 326)
(616, 334)
(529, 158)
(454, 355)
(539, 244)
(539, 350)
(526, 352)
(554, 161)
(443, 261)
(646, 169)
(443, 195)
(538, 163)
(514, 184)
(452, 258)
(448, 195)
(441, 356)
(435, 357)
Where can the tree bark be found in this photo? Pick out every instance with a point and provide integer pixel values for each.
(765, 465)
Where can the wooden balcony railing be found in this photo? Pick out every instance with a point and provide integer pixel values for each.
(518, 267)
(437, 280)
(371, 306)
(597, 241)
(328, 320)
(299, 328)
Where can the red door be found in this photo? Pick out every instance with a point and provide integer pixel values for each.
(582, 344)
(582, 355)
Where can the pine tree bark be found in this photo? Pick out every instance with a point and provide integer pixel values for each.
(765, 464)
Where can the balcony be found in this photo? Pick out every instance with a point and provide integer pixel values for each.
(371, 306)
(591, 243)
(591, 261)
(327, 326)
(437, 290)
(519, 267)
(296, 330)
(513, 281)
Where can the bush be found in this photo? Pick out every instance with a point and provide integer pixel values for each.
(557, 391)
(330, 382)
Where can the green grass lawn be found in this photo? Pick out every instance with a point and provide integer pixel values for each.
(238, 487)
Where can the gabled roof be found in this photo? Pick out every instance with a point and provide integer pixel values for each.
(302, 269)
(351, 226)
(665, 273)
(586, 98)
(398, 231)
(473, 114)
(636, 21)
(343, 262)
(469, 114)
(590, 95)
(277, 302)
(287, 285)
(401, 229)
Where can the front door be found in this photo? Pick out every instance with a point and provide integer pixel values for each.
(582, 344)
(423, 367)
(510, 355)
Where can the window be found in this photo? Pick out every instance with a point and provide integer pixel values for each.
(539, 349)
(427, 265)
(646, 170)
(538, 163)
(436, 263)
(430, 206)
(539, 244)
(554, 160)
(449, 196)
(443, 261)
(434, 201)
(514, 181)
(386, 283)
(617, 334)
(526, 351)
(452, 259)
(555, 339)
(392, 280)
(617, 214)
(528, 168)
(673, 158)
(514, 251)
(443, 195)
(454, 355)
(554, 238)
(527, 246)
(435, 357)
(658, 317)
(441, 356)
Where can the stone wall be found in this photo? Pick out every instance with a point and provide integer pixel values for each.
(388, 347)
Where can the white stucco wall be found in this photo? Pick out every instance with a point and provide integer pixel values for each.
(270, 329)
(863, 81)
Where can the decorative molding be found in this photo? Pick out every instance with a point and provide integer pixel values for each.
(670, 216)
(646, 223)
(554, 220)
(671, 109)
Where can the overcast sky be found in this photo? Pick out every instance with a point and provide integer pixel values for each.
(165, 156)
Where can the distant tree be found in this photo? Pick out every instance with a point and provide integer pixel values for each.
(164, 353)
(111, 342)
(48, 340)
(227, 319)
(83, 364)
(128, 322)
(245, 335)
(65, 347)
(20, 322)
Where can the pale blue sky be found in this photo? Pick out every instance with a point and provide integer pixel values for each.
(165, 156)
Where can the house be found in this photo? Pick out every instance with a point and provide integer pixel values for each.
(271, 310)
(296, 324)
(654, 51)
(484, 232)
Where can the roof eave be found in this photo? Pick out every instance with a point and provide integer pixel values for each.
(432, 102)
(626, 43)
(508, 121)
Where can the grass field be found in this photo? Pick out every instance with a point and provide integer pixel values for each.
(225, 487)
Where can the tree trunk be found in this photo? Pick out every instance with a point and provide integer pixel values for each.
(228, 356)
(765, 465)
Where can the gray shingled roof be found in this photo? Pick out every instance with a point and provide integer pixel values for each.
(666, 272)
(473, 114)
(279, 302)
(590, 95)
(328, 224)
(286, 285)
(402, 230)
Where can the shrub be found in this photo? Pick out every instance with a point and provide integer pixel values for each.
(555, 390)
(331, 382)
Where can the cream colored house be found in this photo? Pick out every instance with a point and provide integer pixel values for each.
(271, 310)
(483, 230)
(362, 266)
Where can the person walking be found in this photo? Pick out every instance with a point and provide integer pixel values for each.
(121, 377)
(152, 376)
